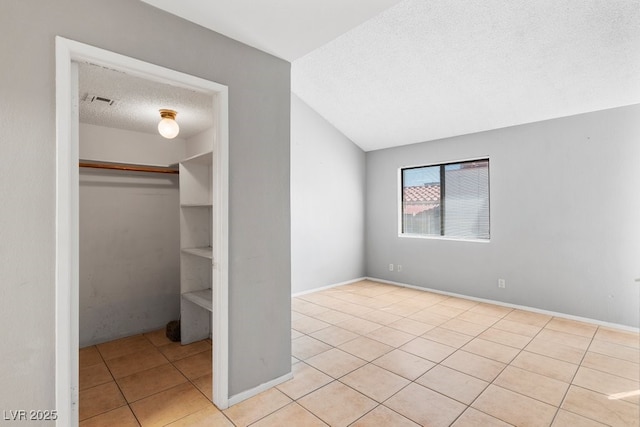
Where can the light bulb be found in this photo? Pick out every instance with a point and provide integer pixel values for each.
(168, 127)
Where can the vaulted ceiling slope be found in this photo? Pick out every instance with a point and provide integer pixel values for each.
(421, 70)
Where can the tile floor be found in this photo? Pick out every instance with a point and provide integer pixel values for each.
(371, 354)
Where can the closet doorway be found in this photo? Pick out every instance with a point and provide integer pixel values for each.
(69, 56)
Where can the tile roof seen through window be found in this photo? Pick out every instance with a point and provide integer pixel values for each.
(422, 193)
(420, 198)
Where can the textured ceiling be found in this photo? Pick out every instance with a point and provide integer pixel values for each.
(136, 102)
(287, 29)
(424, 70)
(429, 69)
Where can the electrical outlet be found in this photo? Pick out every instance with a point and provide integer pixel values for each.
(390, 267)
(501, 283)
(399, 268)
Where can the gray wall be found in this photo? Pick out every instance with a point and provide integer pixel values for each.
(259, 252)
(129, 253)
(327, 202)
(564, 217)
(129, 236)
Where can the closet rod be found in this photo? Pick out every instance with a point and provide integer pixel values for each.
(128, 167)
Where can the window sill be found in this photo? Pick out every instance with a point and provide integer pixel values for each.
(455, 239)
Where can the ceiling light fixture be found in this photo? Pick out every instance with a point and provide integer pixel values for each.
(168, 127)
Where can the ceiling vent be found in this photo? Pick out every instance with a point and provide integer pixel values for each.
(98, 100)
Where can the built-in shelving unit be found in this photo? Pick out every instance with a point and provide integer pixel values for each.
(196, 254)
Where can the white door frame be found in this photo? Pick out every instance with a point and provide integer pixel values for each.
(67, 229)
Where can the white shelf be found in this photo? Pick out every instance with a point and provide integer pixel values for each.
(196, 205)
(196, 260)
(206, 252)
(203, 298)
(204, 158)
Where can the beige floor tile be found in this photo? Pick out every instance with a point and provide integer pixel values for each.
(336, 404)
(307, 324)
(446, 310)
(424, 406)
(569, 419)
(401, 308)
(506, 338)
(93, 375)
(474, 365)
(429, 317)
(333, 316)
(565, 338)
(321, 298)
(615, 336)
(392, 297)
(615, 350)
(305, 307)
(544, 365)
(555, 350)
(428, 349)
(491, 350)
(296, 334)
(514, 408)
(176, 351)
(150, 381)
(474, 418)
(205, 385)
(158, 337)
(374, 382)
(305, 380)
(195, 366)
(89, 356)
(359, 326)
(305, 347)
(462, 303)
(528, 317)
(365, 348)
(210, 416)
(600, 408)
(381, 317)
(517, 327)
(456, 385)
(291, 415)
(405, 364)
(257, 407)
(491, 310)
(480, 319)
(411, 326)
(335, 362)
(169, 405)
(123, 346)
(611, 385)
(383, 416)
(572, 327)
(100, 399)
(533, 385)
(611, 365)
(463, 327)
(447, 337)
(135, 362)
(350, 308)
(391, 336)
(121, 417)
(333, 335)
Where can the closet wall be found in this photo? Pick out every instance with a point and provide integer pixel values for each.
(129, 236)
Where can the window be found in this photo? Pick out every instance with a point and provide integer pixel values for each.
(448, 200)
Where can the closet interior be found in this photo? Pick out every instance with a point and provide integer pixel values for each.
(146, 217)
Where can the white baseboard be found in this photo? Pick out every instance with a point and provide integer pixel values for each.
(237, 398)
(348, 282)
(505, 304)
